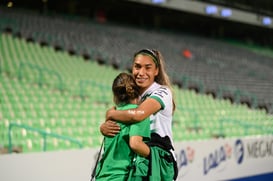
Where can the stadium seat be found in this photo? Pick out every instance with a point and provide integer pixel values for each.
(71, 111)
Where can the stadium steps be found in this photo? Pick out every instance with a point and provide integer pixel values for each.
(215, 63)
(65, 112)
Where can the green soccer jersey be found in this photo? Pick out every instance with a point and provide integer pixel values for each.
(116, 160)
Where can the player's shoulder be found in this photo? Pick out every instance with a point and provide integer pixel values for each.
(162, 91)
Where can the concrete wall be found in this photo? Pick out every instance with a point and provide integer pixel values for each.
(72, 165)
(199, 8)
(207, 160)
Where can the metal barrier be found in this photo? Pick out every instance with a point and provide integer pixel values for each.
(246, 126)
(41, 71)
(44, 134)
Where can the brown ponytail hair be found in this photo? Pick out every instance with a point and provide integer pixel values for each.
(124, 89)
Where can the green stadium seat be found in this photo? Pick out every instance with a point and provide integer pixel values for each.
(66, 113)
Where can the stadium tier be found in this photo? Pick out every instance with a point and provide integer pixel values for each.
(47, 95)
(225, 70)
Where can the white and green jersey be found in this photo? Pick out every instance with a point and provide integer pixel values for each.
(161, 121)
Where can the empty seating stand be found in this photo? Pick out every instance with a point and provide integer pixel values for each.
(31, 75)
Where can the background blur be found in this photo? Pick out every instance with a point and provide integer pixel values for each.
(159, 15)
(58, 59)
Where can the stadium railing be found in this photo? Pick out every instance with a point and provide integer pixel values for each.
(43, 133)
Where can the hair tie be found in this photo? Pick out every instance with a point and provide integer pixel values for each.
(149, 53)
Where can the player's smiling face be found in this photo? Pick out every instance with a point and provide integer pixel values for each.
(144, 71)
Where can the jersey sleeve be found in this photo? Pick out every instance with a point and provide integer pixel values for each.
(141, 128)
(162, 95)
